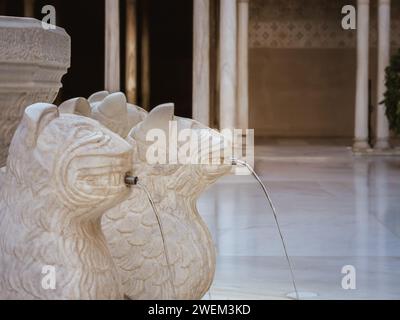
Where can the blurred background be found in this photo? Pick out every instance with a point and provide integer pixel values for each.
(301, 63)
(170, 27)
(288, 69)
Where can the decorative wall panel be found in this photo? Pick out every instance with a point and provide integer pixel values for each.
(309, 24)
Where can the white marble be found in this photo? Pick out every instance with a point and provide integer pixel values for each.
(111, 110)
(32, 63)
(243, 65)
(382, 125)
(63, 172)
(112, 44)
(201, 61)
(166, 252)
(361, 107)
(335, 209)
(227, 64)
(183, 267)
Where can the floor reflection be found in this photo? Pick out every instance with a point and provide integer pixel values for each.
(334, 209)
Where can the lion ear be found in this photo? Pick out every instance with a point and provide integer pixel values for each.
(158, 118)
(79, 106)
(36, 117)
(98, 96)
(113, 105)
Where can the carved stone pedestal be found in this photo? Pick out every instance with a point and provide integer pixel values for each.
(32, 63)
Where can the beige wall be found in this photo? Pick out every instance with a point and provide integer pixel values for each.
(302, 68)
(302, 92)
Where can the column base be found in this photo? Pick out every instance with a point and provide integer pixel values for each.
(360, 145)
(382, 144)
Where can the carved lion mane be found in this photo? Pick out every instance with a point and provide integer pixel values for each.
(63, 172)
(131, 228)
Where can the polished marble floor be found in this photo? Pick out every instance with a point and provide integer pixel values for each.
(335, 209)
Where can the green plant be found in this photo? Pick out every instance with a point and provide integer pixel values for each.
(392, 94)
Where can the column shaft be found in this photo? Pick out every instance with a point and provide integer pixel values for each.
(227, 63)
(112, 49)
(131, 52)
(243, 65)
(29, 8)
(361, 107)
(201, 61)
(145, 56)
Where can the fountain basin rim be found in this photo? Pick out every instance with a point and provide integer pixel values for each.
(26, 22)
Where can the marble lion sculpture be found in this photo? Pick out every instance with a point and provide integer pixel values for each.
(63, 172)
(183, 267)
(111, 110)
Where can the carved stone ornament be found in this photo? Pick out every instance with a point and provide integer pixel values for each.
(182, 265)
(32, 63)
(64, 206)
(63, 173)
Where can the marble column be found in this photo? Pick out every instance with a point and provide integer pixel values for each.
(112, 49)
(131, 51)
(361, 107)
(29, 8)
(201, 61)
(227, 63)
(214, 56)
(243, 65)
(145, 56)
(382, 125)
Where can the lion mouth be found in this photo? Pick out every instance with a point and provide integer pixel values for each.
(99, 181)
(105, 179)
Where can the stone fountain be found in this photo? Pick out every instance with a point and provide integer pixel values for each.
(32, 63)
(67, 167)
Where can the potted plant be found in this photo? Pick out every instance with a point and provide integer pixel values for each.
(392, 94)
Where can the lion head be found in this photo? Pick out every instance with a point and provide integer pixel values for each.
(165, 143)
(111, 110)
(81, 160)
